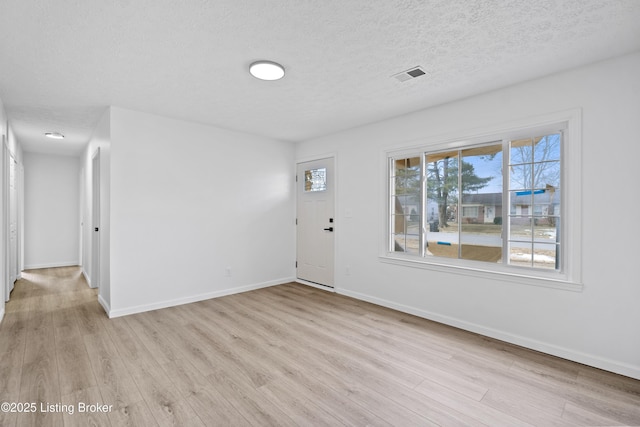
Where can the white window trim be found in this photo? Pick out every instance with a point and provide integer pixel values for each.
(571, 276)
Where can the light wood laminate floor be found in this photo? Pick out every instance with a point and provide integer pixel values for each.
(286, 355)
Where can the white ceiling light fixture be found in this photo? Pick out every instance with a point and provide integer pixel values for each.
(266, 70)
(54, 135)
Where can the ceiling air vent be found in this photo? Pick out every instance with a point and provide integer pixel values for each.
(409, 74)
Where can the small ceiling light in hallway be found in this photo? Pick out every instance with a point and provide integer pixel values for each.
(266, 70)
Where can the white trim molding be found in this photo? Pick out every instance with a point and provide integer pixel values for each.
(51, 265)
(194, 298)
(315, 285)
(105, 305)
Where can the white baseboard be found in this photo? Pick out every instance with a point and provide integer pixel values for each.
(315, 285)
(105, 305)
(88, 279)
(51, 265)
(2, 312)
(552, 349)
(195, 298)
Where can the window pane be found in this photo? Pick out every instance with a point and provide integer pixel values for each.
(481, 219)
(406, 205)
(521, 228)
(544, 255)
(546, 175)
(447, 248)
(520, 177)
(545, 229)
(520, 254)
(535, 201)
(442, 185)
(521, 202)
(521, 151)
(408, 165)
(406, 234)
(546, 148)
(442, 204)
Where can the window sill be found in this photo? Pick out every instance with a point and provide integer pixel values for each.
(553, 280)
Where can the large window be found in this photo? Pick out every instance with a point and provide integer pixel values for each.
(497, 201)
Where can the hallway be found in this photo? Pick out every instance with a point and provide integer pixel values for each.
(43, 357)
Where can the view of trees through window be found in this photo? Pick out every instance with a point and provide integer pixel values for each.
(453, 204)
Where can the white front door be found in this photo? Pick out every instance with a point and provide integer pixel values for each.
(316, 224)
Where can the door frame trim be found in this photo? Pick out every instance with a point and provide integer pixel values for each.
(333, 156)
(95, 236)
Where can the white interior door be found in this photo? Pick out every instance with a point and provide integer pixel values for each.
(95, 220)
(316, 225)
(13, 223)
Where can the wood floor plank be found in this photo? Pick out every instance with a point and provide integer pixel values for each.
(12, 347)
(185, 377)
(290, 398)
(525, 408)
(188, 346)
(578, 415)
(132, 352)
(250, 365)
(478, 410)
(152, 338)
(163, 401)
(257, 409)
(88, 409)
(214, 409)
(134, 415)
(283, 355)
(74, 367)
(90, 316)
(298, 354)
(326, 339)
(40, 380)
(114, 381)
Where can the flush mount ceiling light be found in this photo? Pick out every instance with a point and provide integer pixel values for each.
(54, 135)
(266, 70)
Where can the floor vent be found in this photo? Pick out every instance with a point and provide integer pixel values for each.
(409, 74)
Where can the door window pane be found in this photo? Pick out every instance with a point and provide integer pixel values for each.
(315, 180)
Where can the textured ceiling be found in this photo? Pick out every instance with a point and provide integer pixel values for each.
(63, 62)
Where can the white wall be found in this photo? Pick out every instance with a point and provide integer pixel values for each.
(598, 326)
(189, 201)
(100, 139)
(51, 210)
